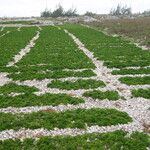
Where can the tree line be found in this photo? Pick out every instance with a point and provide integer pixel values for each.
(60, 12)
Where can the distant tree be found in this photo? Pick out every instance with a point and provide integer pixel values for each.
(88, 13)
(46, 13)
(71, 12)
(121, 11)
(58, 12)
(146, 13)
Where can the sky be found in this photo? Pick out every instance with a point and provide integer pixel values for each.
(27, 8)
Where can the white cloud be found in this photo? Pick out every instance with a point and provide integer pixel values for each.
(34, 7)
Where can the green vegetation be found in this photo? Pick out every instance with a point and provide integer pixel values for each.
(110, 95)
(135, 80)
(70, 119)
(123, 53)
(29, 99)
(11, 43)
(39, 75)
(12, 87)
(2, 32)
(17, 22)
(56, 50)
(115, 141)
(79, 84)
(49, 57)
(131, 71)
(145, 93)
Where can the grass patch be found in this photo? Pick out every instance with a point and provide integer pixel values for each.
(110, 95)
(79, 84)
(12, 87)
(145, 93)
(131, 71)
(70, 119)
(115, 141)
(30, 75)
(135, 80)
(34, 100)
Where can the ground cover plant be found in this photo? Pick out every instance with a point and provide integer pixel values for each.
(79, 84)
(58, 52)
(131, 71)
(11, 43)
(2, 32)
(68, 119)
(135, 80)
(145, 93)
(60, 86)
(114, 141)
(30, 99)
(54, 74)
(110, 95)
(14, 88)
(52, 55)
(123, 52)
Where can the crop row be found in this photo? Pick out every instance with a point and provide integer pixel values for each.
(115, 141)
(79, 118)
(56, 49)
(114, 51)
(11, 43)
(53, 51)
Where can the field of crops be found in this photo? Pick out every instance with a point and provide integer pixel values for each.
(72, 87)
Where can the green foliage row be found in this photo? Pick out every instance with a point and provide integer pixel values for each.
(145, 93)
(12, 87)
(13, 42)
(79, 84)
(135, 80)
(114, 141)
(56, 49)
(79, 118)
(30, 75)
(110, 95)
(131, 71)
(114, 51)
(29, 99)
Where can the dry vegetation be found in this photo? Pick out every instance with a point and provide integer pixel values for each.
(137, 28)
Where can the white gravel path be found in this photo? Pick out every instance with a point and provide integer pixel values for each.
(4, 79)
(37, 133)
(24, 51)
